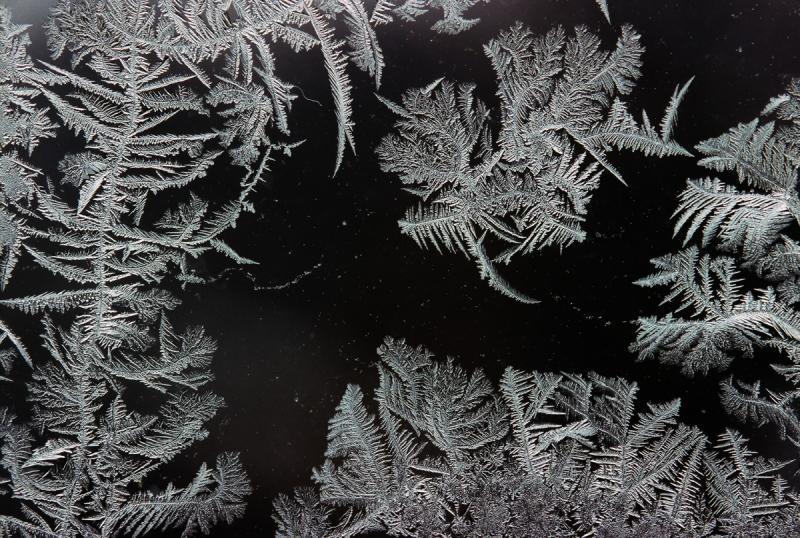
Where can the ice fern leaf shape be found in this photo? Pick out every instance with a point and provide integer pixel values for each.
(741, 299)
(724, 320)
(603, 5)
(749, 216)
(453, 20)
(23, 124)
(84, 465)
(96, 227)
(78, 469)
(445, 452)
(527, 186)
(241, 36)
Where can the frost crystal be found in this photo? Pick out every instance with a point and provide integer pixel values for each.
(545, 455)
(750, 218)
(453, 12)
(527, 186)
(742, 300)
(84, 465)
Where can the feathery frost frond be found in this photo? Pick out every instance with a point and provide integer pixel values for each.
(96, 228)
(723, 320)
(96, 452)
(23, 124)
(448, 454)
(527, 186)
(454, 18)
(603, 5)
(239, 35)
(750, 214)
(84, 465)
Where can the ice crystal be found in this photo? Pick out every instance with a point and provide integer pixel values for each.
(527, 186)
(543, 454)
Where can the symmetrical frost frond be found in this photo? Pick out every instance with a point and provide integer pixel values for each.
(241, 36)
(23, 124)
(723, 320)
(83, 478)
(82, 465)
(97, 229)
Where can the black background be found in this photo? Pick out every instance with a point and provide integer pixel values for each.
(285, 356)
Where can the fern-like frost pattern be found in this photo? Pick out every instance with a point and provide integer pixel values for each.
(527, 186)
(84, 464)
(735, 290)
(445, 452)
